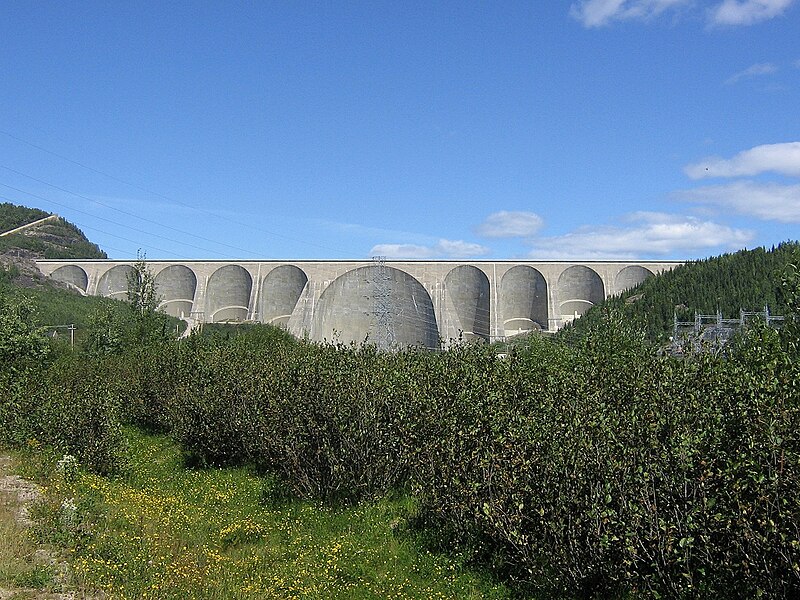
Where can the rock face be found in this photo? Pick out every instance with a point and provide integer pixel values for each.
(16, 497)
(19, 266)
(17, 493)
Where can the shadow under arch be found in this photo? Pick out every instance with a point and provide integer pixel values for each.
(467, 288)
(281, 288)
(72, 275)
(114, 282)
(523, 300)
(228, 294)
(175, 286)
(630, 277)
(578, 289)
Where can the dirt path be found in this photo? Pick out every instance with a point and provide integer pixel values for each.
(16, 492)
(16, 496)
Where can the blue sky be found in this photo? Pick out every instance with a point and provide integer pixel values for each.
(533, 130)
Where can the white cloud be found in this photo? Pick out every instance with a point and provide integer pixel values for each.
(442, 249)
(647, 234)
(776, 158)
(766, 201)
(752, 71)
(508, 224)
(412, 251)
(459, 249)
(597, 13)
(747, 12)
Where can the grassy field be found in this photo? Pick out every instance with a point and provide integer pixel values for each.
(164, 531)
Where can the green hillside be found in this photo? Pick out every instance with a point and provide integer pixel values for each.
(13, 216)
(746, 280)
(52, 239)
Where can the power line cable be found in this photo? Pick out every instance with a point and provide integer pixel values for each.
(129, 214)
(162, 196)
(112, 222)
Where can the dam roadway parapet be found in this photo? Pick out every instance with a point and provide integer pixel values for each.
(416, 302)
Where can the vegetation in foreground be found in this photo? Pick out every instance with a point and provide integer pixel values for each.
(598, 468)
(23, 564)
(163, 531)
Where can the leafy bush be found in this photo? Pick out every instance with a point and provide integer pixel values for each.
(604, 469)
(78, 412)
(23, 348)
(320, 417)
(598, 468)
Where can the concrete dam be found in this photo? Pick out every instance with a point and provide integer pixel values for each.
(388, 302)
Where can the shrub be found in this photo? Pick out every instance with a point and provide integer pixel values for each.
(77, 411)
(606, 469)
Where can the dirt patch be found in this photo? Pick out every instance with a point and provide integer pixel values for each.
(17, 495)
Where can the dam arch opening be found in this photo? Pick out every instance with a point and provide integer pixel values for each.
(523, 301)
(280, 291)
(176, 286)
(467, 289)
(579, 288)
(228, 294)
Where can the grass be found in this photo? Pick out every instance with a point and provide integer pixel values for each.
(16, 551)
(165, 531)
(57, 307)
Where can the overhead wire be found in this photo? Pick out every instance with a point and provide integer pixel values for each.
(414, 315)
(130, 214)
(128, 227)
(83, 226)
(169, 199)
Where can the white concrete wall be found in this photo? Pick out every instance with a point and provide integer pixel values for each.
(432, 275)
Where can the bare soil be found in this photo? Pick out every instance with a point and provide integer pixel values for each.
(16, 497)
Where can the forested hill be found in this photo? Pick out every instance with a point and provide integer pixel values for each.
(748, 280)
(13, 216)
(52, 239)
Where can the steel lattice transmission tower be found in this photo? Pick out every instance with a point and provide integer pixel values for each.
(382, 306)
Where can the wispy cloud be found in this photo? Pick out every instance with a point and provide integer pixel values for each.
(747, 12)
(365, 231)
(597, 13)
(781, 158)
(756, 70)
(644, 234)
(510, 224)
(766, 201)
(441, 249)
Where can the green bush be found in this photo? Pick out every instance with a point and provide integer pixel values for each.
(332, 427)
(77, 411)
(320, 417)
(606, 469)
(23, 350)
(595, 469)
